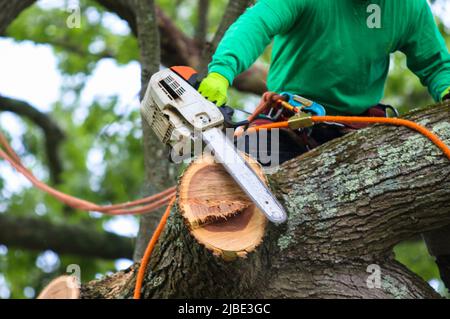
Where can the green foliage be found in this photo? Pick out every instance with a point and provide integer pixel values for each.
(414, 254)
(185, 14)
(403, 88)
(78, 49)
(113, 135)
(420, 262)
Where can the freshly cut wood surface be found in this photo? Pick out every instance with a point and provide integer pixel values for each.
(219, 213)
(63, 287)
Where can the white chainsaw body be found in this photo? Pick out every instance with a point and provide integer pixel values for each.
(176, 112)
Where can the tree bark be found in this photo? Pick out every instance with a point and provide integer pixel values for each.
(159, 171)
(39, 234)
(201, 29)
(349, 202)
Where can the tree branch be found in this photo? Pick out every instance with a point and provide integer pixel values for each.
(159, 172)
(349, 202)
(358, 196)
(234, 10)
(149, 40)
(76, 49)
(124, 9)
(39, 234)
(202, 23)
(54, 135)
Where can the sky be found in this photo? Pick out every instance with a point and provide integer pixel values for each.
(29, 72)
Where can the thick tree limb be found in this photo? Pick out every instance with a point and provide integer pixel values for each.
(159, 171)
(54, 135)
(377, 187)
(348, 201)
(39, 234)
(201, 29)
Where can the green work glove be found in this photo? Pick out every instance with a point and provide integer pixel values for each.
(214, 87)
(446, 95)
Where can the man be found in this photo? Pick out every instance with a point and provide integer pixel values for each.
(337, 54)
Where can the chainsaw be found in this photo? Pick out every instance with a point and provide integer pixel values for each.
(178, 115)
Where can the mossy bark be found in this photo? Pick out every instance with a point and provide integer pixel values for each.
(349, 202)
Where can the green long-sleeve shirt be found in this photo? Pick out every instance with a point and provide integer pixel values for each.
(326, 51)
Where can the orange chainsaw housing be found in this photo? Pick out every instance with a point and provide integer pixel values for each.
(189, 74)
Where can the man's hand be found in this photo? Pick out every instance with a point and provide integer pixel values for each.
(214, 87)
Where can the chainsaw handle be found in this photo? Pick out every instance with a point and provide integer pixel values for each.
(227, 113)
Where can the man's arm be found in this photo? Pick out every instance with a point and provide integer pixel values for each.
(428, 56)
(247, 38)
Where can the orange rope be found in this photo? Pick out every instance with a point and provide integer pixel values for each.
(150, 203)
(156, 201)
(384, 120)
(268, 126)
(9, 149)
(148, 251)
(317, 119)
(140, 206)
(361, 119)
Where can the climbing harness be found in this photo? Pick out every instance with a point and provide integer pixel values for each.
(306, 116)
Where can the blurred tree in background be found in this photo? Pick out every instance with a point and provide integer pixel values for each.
(100, 151)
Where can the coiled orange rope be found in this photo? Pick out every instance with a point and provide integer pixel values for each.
(148, 251)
